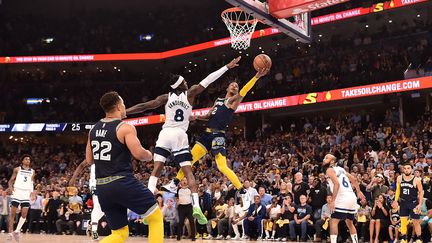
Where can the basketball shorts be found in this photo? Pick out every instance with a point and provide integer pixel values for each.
(214, 142)
(118, 196)
(21, 197)
(175, 141)
(406, 209)
(345, 207)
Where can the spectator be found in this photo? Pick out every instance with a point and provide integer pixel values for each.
(302, 215)
(377, 187)
(394, 224)
(170, 218)
(266, 199)
(5, 201)
(35, 212)
(238, 219)
(250, 194)
(253, 222)
(300, 187)
(287, 215)
(224, 223)
(317, 198)
(52, 210)
(206, 207)
(65, 225)
(324, 220)
(219, 209)
(379, 216)
(363, 219)
(273, 214)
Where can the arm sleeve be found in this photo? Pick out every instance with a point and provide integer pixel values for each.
(248, 86)
(397, 192)
(213, 76)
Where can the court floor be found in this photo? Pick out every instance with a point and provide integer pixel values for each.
(36, 238)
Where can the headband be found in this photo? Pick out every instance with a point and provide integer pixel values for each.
(176, 84)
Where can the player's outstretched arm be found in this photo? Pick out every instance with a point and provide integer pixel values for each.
(235, 101)
(199, 88)
(205, 117)
(128, 134)
(149, 105)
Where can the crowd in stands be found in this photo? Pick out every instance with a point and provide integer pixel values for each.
(94, 31)
(286, 191)
(322, 66)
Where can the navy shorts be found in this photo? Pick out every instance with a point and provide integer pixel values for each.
(342, 216)
(406, 209)
(16, 203)
(118, 196)
(214, 142)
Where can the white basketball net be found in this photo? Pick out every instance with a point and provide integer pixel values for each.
(241, 25)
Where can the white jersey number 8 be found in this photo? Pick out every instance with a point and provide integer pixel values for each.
(104, 153)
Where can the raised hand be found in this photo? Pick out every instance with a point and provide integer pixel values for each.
(234, 62)
(262, 72)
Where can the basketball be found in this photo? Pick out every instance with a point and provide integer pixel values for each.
(262, 61)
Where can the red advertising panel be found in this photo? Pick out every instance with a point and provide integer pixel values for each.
(206, 45)
(311, 98)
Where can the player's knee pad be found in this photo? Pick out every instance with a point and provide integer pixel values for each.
(404, 225)
(122, 232)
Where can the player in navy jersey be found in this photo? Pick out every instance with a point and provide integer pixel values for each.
(218, 119)
(172, 138)
(111, 145)
(409, 198)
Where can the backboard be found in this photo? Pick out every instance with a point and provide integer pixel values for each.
(298, 26)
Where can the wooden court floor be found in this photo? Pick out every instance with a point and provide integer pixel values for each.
(42, 238)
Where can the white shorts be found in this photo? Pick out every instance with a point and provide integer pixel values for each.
(173, 141)
(346, 204)
(20, 196)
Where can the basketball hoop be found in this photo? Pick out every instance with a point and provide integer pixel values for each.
(241, 25)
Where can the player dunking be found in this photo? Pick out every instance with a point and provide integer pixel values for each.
(409, 196)
(173, 138)
(344, 205)
(21, 185)
(218, 119)
(111, 145)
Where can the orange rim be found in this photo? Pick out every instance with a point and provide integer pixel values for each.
(236, 9)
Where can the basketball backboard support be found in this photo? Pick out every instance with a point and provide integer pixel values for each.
(297, 27)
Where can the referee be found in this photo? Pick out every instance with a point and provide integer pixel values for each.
(184, 208)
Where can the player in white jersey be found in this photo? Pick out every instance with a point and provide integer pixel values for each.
(344, 205)
(173, 138)
(96, 213)
(21, 185)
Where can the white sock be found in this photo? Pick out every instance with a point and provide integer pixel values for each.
(152, 183)
(354, 238)
(94, 226)
(267, 234)
(333, 238)
(273, 233)
(20, 224)
(195, 199)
